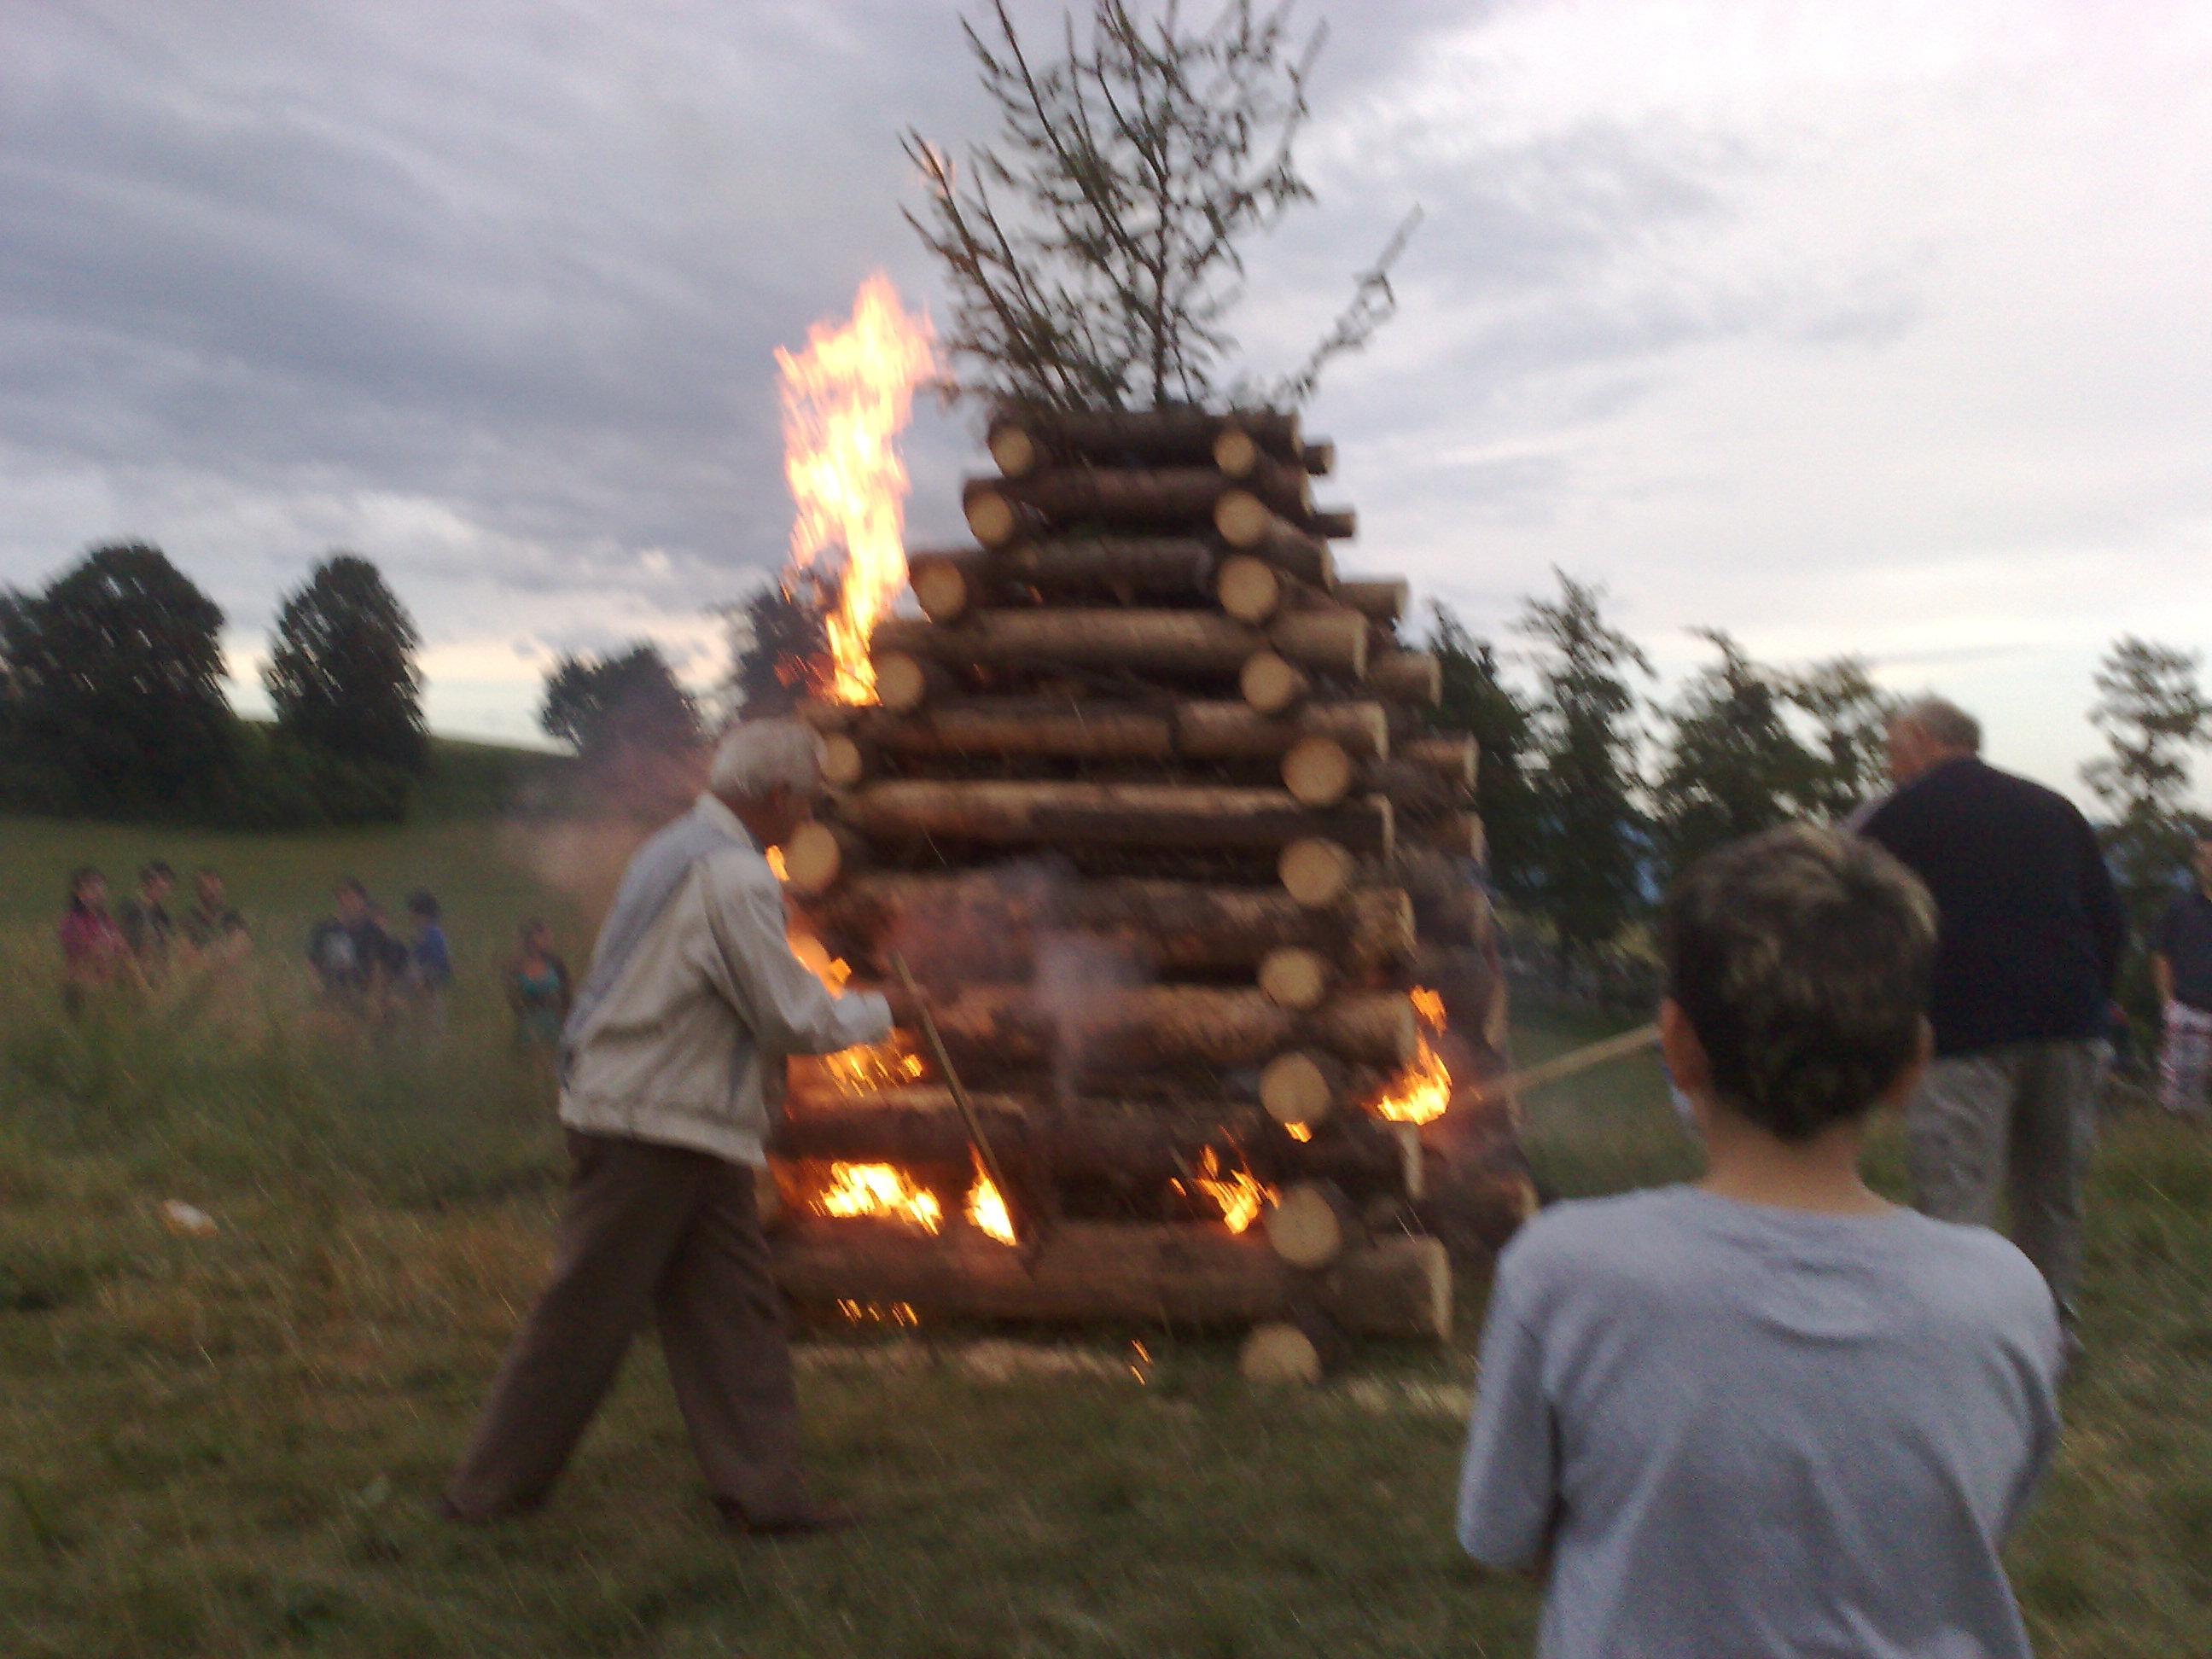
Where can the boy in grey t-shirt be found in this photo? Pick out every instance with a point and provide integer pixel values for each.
(1770, 1413)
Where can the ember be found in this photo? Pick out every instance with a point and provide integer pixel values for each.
(1421, 1093)
(1238, 1196)
(846, 399)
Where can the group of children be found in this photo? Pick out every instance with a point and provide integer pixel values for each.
(367, 975)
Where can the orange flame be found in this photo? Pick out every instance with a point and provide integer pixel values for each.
(846, 399)
(872, 1066)
(1421, 1093)
(879, 1189)
(987, 1211)
(1238, 1197)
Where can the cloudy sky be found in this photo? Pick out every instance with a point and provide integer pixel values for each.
(1848, 327)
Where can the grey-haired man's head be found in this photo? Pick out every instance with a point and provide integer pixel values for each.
(769, 773)
(1926, 733)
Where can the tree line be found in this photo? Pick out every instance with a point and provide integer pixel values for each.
(111, 703)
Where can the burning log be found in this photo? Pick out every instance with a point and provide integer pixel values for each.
(1173, 642)
(1023, 440)
(1130, 1145)
(1122, 815)
(1120, 569)
(995, 1029)
(1249, 524)
(997, 509)
(1171, 928)
(1194, 1275)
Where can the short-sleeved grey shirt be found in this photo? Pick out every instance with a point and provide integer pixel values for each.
(1746, 1431)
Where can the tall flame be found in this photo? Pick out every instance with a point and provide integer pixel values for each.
(987, 1211)
(1421, 1093)
(846, 399)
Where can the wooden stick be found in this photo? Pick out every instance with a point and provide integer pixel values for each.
(1567, 1065)
(984, 1155)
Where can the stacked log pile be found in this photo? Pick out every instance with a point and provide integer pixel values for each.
(1153, 801)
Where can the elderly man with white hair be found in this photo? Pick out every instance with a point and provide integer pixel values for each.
(670, 1059)
(2029, 940)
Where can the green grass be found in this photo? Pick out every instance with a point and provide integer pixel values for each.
(228, 1444)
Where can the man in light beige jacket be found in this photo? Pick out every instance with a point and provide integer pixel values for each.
(671, 1058)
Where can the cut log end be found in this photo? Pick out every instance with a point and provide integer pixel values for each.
(941, 589)
(844, 762)
(904, 683)
(1271, 684)
(1015, 451)
(1247, 589)
(1294, 977)
(1318, 772)
(1234, 452)
(1278, 1353)
(991, 518)
(1309, 1224)
(1301, 1089)
(813, 858)
(1315, 872)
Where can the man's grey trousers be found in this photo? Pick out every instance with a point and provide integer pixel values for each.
(2021, 1119)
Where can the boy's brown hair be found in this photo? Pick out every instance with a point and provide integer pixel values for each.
(1802, 957)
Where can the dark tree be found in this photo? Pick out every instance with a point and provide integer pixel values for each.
(2153, 712)
(1095, 252)
(1733, 766)
(1475, 699)
(1852, 714)
(608, 708)
(1589, 837)
(117, 672)
(342, 669)
(780, 645)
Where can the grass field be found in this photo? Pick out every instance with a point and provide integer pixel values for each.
(227, 1444)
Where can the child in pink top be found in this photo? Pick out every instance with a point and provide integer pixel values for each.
(93, 948)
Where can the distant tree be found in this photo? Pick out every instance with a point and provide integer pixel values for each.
(1095, 252)
(1852, 714)
(1589, 835)
(342, 669)
(116, 671)
(1475, 699)
(779, 646)
(1733, 767)
(607, 707)
(2152, 711)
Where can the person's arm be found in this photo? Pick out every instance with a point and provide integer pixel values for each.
(788, 1010)
(1508, 1496)
(2161, 977)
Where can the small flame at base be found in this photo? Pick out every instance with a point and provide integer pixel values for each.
(1238, 1197)
(1421, 1092)
(987, 1211)
(879, 1189)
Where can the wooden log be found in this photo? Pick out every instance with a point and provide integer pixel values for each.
(995, 1029)
(818, 855)
(1172, 643)
(1301, 1089)
(1284, 485)
(1310, 1224)
(998, 520)
(1455, 759)
(1250, 525)
(1317, 771)
(1270, 685)
(1248, 589)
(1459, 834)
(1380, 599)
(1413, 677)
(844, 762)
(945, 587)
(1135, 1144)
(1338, 524)
(1065, 728)
(1172, 928)
(1448, 906)
(1124, 568)
(1279, 1351)
(1236, 731)
(1126, 495)
(1123, 815)
(1293, 976)
(1419, 793)
(1093, 1272)
(1318, 457)
(905, 681)
(1022, 439)
(1314, 870)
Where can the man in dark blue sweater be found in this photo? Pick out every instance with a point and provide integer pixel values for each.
(2030, 939)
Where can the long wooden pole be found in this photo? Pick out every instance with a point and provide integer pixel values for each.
(984, 1155)
(1567, 1065)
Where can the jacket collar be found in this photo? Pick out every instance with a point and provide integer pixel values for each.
(709, 808)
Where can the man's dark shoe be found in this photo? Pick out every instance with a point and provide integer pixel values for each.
(800, 1523)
